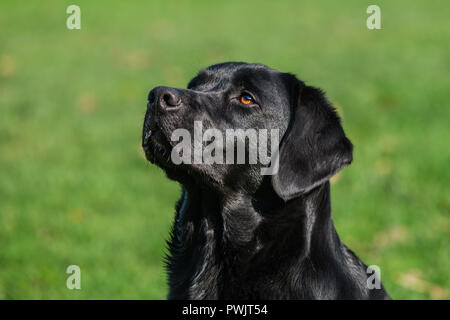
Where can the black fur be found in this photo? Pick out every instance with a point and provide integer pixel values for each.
(238, 234)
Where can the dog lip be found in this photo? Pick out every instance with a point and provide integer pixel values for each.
(148, 134)
(155, 151)
(146, 139)
(153, 143)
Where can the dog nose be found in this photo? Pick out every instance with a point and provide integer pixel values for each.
(164, 97)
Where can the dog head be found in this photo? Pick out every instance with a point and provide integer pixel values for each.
(238, 98)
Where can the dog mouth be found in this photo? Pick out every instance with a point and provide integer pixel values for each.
(147, 136)
(156, 147)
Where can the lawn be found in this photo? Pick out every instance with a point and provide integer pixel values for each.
(75, 187)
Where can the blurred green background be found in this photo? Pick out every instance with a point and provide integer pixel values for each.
(75, 187)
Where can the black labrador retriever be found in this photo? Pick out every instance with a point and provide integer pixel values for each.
(241, 234)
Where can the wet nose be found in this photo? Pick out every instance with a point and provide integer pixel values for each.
(164, 97)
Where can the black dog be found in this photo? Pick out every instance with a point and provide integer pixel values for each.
(239, 234)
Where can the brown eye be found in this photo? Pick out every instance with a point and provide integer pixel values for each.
(246, 99)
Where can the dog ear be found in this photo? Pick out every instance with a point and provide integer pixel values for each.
(314, 146)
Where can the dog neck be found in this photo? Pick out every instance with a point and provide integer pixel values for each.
(234, 235)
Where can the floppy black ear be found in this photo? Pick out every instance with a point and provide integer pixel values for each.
(314, 146)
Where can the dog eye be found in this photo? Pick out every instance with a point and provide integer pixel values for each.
(246, 99)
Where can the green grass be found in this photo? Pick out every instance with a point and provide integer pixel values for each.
(74, 185)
